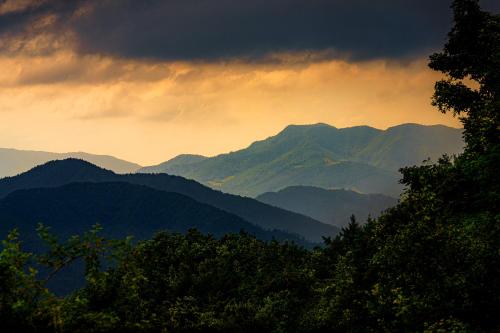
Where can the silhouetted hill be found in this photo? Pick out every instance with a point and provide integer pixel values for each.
(57, 173)
(328, 206)
(359, 158)
(122, 209)
(13, 161)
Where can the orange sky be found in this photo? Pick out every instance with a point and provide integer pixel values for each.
(147, 112)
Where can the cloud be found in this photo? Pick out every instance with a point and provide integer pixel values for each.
(13, 6)
(74, 69)
(94, 87)
(208, 108)
(197, 30)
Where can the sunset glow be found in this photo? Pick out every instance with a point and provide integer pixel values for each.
(149, 111)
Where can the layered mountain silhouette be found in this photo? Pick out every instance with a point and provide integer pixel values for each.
(14, 162)
(359, 158)
(121, 208)
(63, 172)
(329, 206)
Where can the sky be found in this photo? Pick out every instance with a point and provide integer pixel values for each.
(148, 80)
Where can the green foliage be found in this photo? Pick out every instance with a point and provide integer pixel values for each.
(26, 304)
(472, 54)
(20, 291)
(197, 283)
(430, 264)
(360, 158)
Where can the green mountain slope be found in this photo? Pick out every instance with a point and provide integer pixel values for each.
(182, 161)
(359, 158)
(13, 161)
(328, 206)
(58, 173)
(410, 144)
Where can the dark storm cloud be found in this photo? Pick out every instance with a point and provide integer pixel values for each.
(250, 29)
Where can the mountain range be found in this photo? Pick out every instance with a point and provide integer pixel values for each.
(359, 158)
(296, 175)
(63, 172)
(14, 161)
(329, 206)
(121, 208)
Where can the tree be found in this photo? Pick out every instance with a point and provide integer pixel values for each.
(471, 62)
(429, 264)
(438, 262)
(26, 304)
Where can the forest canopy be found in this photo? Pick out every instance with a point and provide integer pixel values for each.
(430, 264)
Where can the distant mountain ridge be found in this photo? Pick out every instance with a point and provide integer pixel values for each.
(329, 206)
(360, 158)
(62, 172)
(14, 161)
(122, 209)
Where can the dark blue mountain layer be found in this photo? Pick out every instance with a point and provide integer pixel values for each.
(58, 173)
